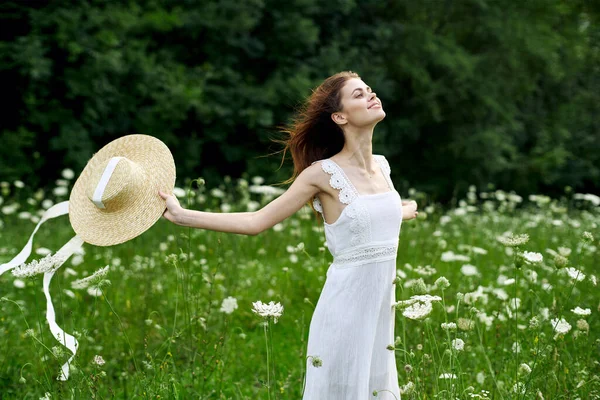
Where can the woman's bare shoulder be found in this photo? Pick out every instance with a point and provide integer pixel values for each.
(317, 176)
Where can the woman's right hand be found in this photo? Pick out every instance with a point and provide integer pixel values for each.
(174, 210)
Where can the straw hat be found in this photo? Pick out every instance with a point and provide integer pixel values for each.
(116, 196)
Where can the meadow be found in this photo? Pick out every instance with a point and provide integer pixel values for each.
(511, 312)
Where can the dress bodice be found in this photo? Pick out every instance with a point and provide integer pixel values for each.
(368, 228)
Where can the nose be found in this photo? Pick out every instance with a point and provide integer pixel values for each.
(373, 95)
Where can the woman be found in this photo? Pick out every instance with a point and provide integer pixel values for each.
(353, 322)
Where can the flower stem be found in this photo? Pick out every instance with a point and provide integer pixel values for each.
(266, 325)
(516, 326)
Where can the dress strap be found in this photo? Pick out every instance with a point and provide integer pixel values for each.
(339, 180)
(385, 167)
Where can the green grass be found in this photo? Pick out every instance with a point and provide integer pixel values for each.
(159, 328)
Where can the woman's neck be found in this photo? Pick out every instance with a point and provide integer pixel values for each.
(358, 149)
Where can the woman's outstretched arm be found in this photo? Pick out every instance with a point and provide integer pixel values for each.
(299, 193)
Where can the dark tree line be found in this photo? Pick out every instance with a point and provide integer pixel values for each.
(475, 91)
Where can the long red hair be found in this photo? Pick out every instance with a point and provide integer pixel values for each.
(312, 134)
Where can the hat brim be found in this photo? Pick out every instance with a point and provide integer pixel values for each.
(101, 228)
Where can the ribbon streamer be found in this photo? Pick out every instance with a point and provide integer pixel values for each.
(64, 253)
(55, 211)
(64, 338)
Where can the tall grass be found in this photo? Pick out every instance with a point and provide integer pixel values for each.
(162, 332)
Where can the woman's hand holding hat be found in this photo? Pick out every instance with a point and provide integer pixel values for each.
(174, 209)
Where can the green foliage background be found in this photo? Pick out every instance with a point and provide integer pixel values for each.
(475, 91)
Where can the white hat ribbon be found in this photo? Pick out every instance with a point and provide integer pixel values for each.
(101, 186)
(63, 254)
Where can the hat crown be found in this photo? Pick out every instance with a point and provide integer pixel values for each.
(114, 183)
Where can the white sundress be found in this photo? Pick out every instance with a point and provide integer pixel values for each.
(353, 322)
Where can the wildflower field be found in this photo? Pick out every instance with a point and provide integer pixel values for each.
(497, 299)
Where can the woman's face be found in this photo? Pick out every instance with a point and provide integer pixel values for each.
(360, 105)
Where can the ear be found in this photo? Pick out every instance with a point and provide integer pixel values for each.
(339, 118)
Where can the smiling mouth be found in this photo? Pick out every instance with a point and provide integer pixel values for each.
(374, 105)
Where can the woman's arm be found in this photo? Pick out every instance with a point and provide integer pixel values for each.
(248, 223)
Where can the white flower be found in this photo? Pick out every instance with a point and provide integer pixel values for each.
(479, 250)
(278, 227)
(253, 205)
(449, 256)
(19, 283)
(47, 396)
(178, 192)
(532, 258)
(515, 303)
(580, 311)
(47, 203)
(42, 251)
(469, 270)
(68, 173)
(98, 360)
(268, 310)
(472, 297)
(500, 293)
(24, 215)
(525, 369)
(425, 298)
(447, 376)
(564, 251)
(519, 388)
(408, 388)
(583, 325)
(94, 278)
(94, 291)
(418, 310)
(46, 264)
(458, 344)
(488, 320)
(19, 184)
(76, 260)
(480, 378)
(592, 198)
(531, 275)
(512, 240)
(266, 190)
(60, 191)
(561, 326)
(450, 326)
(575, 274)
(10, 209)
(216, 192)
(516, 347)
(442, 283)
(229, 305)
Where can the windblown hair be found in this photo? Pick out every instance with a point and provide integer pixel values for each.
(313, 135)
